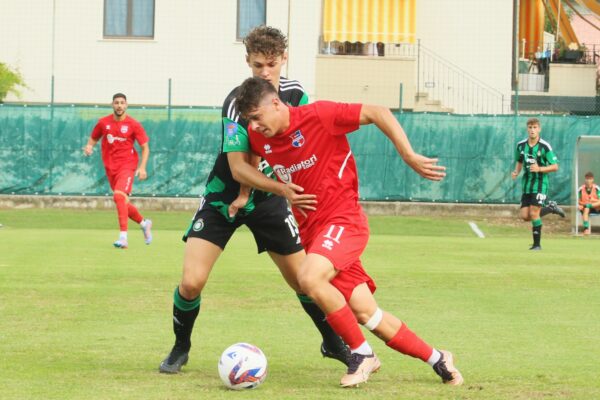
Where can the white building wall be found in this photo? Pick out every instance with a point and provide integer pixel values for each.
(476, 35)
(195, 46)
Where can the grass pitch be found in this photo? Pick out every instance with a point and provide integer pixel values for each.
(82, 320)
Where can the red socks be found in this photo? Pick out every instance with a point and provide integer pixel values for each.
(344, 323)
(134, 214)
(121, 203)
(406, 342)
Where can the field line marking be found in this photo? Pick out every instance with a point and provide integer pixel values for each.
(476, 229)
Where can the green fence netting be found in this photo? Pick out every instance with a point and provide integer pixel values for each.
(41, 153)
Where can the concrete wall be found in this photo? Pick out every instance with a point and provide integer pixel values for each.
(374, 80)
(572, 80)
(475, 35)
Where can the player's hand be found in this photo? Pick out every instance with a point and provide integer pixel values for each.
(88, 150)
(426, 167)
(514, 175)
(236, 204)
(141, 173)
(534, 167)
(294, 194)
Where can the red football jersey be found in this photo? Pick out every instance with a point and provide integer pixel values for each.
(314, 153)
(118, 138)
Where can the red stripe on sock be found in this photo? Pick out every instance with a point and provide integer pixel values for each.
(406, 342)
(134, 214)
(121, 211)
(344, 323)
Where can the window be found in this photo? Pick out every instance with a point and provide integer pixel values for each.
(129, 18)
(251, 13)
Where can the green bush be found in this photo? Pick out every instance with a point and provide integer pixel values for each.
(9, 79)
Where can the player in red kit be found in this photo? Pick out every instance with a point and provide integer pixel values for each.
(118, 133)
(308, 150)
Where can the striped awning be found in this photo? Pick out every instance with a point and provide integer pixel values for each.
(387, 21)
(531, 26)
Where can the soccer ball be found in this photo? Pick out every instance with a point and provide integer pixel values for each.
(242, 366)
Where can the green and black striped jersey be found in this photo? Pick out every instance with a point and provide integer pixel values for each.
(542, 154)
(221, 188)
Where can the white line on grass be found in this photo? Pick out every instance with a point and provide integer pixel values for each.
(477, 231)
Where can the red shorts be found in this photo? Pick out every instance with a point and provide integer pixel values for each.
(342, 242)
(121, 180)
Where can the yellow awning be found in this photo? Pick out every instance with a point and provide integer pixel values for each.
(531, 26)
(388, 21)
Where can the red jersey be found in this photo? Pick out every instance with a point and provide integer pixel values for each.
(118, 138)
(314, 153)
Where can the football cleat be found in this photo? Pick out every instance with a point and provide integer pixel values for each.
(360, 367)
(555, 209)
(176, 359)
(121, 244)
(341, 356)
(534, 247)
(147, 229)
(447, 371)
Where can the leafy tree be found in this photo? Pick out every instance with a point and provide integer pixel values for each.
(9, 79)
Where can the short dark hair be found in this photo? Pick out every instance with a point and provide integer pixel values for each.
(589, 174)
(250, 93)
(117, 95)
(266, 40)
(533, 121)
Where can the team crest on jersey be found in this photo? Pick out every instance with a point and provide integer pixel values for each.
(268, 149)
(107, 127)
(297, 139)
(198, 225)
(231, 128)
(124, 129)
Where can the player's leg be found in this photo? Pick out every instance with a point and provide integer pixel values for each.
(315, 278)
(206, 239)
(524, 211)
(144, 223)
(275, 231)
(552, 208)
(536, 226)
(124, 184)
(399, 337)
(586, 220)
(332, 345)
(121, 199)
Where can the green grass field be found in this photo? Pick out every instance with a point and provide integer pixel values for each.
(82, 320)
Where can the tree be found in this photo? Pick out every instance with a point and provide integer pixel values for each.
(9, 80)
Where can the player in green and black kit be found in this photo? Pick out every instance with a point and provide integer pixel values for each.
(539, 160)
(226, 206)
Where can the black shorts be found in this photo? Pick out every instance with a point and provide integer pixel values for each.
(533, 199)
(271, 222)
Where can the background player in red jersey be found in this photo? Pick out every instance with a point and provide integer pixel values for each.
(118, 132)
(307, 146)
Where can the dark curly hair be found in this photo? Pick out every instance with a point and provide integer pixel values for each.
(266, 40)
(250, 93)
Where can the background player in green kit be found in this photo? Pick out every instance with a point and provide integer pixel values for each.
(226, 206)
(539, 160)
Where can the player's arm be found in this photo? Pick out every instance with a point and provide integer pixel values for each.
(88, 149)
(247, 174)
(383, 118)
(545, 169)
(141, 170)
(233, 158)
(517, 170)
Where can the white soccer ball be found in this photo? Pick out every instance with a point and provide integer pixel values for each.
(242, 366)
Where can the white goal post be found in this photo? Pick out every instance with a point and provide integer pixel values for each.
(586, 158)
